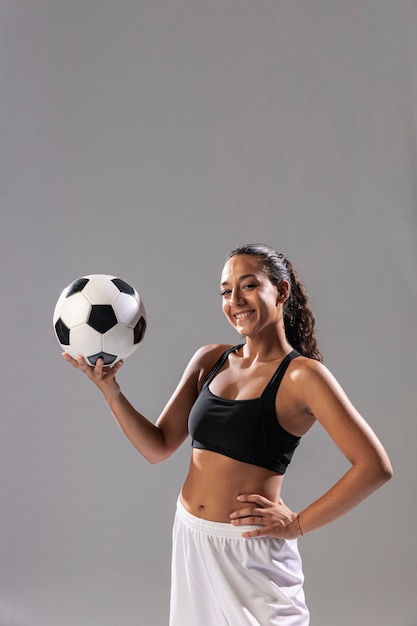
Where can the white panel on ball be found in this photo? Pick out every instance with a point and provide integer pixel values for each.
(86, 340)
(75, 310)
(100, 289)
(127, 310)
(119, 340)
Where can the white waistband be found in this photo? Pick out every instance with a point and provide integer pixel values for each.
(217, 529)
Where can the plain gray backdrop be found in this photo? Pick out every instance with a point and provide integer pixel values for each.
(146, 139)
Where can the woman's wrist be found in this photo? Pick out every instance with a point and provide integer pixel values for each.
(295, 527)
(297, 519)
(112, 397)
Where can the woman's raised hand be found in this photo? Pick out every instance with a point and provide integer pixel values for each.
(102, 376)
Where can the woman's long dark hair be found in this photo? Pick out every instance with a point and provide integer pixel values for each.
(299, 320)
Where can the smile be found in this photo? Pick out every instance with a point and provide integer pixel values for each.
(242, 316)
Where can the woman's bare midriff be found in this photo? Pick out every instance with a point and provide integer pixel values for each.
(214, 481)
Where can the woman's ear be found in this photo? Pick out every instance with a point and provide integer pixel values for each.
(283, 289)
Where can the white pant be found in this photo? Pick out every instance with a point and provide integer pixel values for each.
(220, 578)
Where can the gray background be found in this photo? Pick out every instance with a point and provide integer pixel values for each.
(146, 139)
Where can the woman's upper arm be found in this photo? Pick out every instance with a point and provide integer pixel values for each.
(327, 401)
(173, 421)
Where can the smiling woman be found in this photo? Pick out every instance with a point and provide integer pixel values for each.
(235, 554)
(298, 318)
(249, 298)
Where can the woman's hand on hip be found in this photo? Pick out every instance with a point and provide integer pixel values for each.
(274, 519)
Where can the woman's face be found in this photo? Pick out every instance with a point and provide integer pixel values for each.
(250, 301)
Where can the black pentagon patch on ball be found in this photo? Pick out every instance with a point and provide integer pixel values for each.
(123, 287)
(77, 286)
(139, 330)
(62, 332)
(102, 317)
(108, 359)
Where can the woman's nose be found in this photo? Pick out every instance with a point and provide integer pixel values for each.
(237, 298)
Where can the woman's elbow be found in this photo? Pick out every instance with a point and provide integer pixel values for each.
(387, 471)
(382, 470)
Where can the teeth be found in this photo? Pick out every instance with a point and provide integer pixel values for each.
(241, 316)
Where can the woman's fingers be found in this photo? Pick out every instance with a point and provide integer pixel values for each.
(255, 498)
(247, 516)
(98, 369)
(256, 506)
(70, 360)
(96, 372)
(260, 511)
(271, 531)
(252, 514)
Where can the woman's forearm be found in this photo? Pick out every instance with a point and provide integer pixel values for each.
(147, 438)
(358, 483)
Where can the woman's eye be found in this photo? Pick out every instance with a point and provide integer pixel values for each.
(249, 286)
(225, 292)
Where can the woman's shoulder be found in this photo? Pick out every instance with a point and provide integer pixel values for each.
(306, 362)
(312, 375)
(206, 357)
(210, 353)
(215, 347)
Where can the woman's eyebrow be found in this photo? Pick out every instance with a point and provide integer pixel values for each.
(244, 277)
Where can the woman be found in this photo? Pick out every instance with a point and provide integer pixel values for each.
(235, 556)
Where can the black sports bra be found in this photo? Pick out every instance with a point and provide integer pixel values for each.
(245, 430)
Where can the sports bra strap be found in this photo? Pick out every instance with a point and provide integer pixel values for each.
(275, 381)
(219, 364)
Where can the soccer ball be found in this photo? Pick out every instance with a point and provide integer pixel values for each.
(99, 316)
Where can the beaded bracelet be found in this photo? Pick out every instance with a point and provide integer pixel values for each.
(299, 525)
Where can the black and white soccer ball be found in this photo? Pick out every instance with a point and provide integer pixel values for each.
(99, 316)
